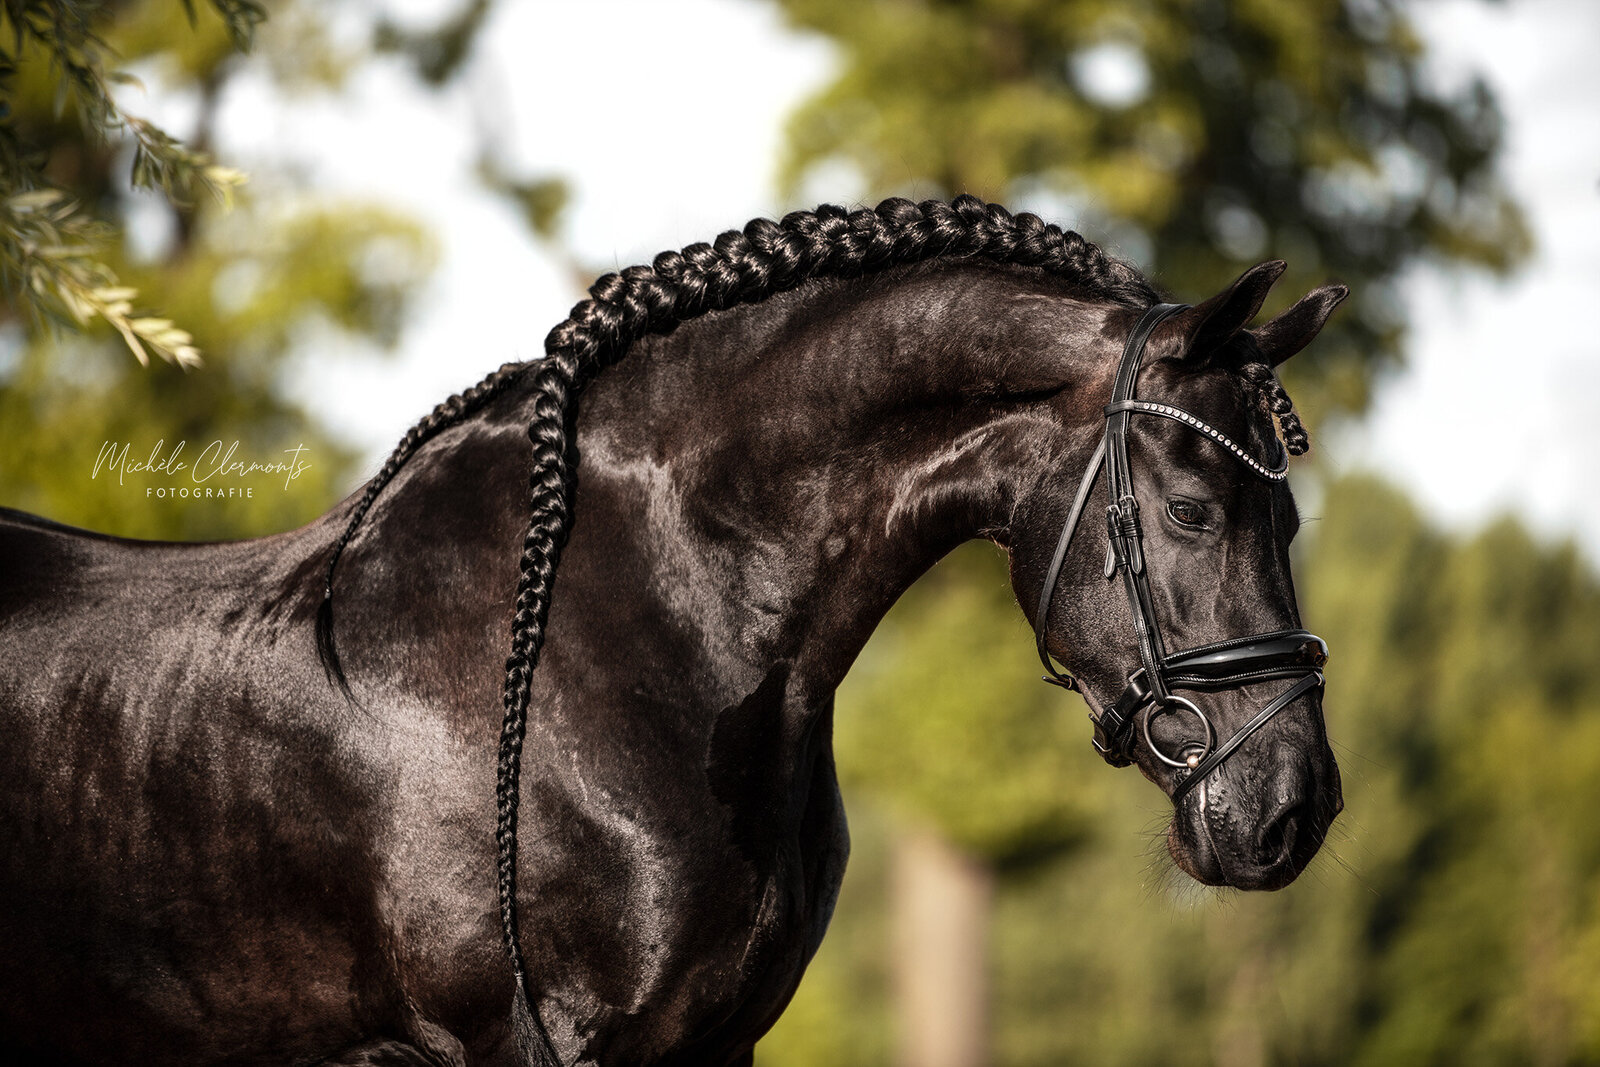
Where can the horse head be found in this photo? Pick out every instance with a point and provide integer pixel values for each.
(1194, 665)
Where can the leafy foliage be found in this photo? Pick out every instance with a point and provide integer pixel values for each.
(241, 17)
(438, 53)
(280, 274)
(52, 252)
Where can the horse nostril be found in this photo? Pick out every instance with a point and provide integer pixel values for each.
(1275, 843)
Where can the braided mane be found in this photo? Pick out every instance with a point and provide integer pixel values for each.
(747, 266)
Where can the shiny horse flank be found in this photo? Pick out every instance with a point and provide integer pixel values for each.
(256, 811)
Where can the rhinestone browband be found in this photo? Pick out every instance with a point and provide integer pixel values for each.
(1276, 474)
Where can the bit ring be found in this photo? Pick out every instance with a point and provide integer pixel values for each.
(1191, 758)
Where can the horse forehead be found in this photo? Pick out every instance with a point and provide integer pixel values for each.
(1215, 395)
(1172, 379)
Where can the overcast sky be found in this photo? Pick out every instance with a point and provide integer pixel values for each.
(667, 118)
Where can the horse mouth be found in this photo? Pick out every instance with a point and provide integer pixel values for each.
(1266, 858)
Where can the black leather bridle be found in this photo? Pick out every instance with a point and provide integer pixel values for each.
(1297, 654)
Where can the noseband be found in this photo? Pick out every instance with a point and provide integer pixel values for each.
(1296, 654)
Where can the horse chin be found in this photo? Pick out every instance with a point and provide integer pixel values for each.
(1199, 862)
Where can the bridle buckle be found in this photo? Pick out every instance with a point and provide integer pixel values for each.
(1125, 536)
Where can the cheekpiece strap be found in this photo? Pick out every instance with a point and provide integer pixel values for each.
(1113, 443)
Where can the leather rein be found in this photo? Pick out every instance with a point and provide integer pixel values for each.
(1297, 654)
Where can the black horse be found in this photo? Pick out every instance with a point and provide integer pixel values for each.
(247, 797)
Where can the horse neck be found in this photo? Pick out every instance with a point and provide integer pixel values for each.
(795, 466)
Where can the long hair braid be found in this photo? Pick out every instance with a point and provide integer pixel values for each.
(746, 266)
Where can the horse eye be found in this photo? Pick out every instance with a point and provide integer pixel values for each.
(1187, 513)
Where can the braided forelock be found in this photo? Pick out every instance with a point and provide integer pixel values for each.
(745, 266)
(1275, 402)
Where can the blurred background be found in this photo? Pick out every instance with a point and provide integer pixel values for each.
(432, 183)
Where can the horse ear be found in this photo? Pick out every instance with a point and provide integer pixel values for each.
(1293, 330)
(1206, 327)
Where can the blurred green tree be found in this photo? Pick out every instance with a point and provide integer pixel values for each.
(943, 718)
(1196, 136)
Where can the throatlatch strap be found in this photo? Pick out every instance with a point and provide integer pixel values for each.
(1053, 574)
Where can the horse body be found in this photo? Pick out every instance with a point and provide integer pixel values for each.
(214, 854)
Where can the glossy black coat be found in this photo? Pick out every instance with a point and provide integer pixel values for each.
(208, 856)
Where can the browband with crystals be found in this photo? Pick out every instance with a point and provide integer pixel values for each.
(1272, 474)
